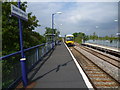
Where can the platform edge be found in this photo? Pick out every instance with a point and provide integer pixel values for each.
(86, 80)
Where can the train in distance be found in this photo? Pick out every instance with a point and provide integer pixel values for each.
(69, 39)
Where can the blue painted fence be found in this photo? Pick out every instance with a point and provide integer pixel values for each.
(11, 68)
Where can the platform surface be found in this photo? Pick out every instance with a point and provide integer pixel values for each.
(105, 47)
(59, 71)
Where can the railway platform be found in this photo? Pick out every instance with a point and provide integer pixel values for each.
(58, 71)
(110, 50)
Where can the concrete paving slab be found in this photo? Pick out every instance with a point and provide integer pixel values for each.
(59, 71)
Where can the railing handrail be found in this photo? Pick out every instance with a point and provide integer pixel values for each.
(12, 54)
(33, 56)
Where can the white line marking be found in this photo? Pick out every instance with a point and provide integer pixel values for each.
(87, 82)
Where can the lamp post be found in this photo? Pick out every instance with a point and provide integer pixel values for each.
(118, 33)
(53, 18)
(97, 27)
(118, 42)
(53, 25)
(57, 32)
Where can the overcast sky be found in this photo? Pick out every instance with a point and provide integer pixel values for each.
(86, 17)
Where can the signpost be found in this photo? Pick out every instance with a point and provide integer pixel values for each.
(16, 11)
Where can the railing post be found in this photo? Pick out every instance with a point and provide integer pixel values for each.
(42, 51)
(46, 47)
(51, 45)
(37, 53)
(52, 30)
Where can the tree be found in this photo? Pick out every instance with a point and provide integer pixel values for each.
(50, 30)
(10, 38)
(79, 37)
(49, 33)
(10, 30)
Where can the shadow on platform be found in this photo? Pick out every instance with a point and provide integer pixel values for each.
(39, 65)
(54, 69)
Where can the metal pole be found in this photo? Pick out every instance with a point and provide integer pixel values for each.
(23, 59)
(52, 29)
(119, 27)
(53, 21)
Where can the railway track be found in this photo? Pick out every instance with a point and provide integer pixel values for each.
(98, 77)
(113, 61)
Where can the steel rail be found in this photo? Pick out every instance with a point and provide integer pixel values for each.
(97, 55)
(96, 66)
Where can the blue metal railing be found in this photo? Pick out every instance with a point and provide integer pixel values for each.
(11, 68)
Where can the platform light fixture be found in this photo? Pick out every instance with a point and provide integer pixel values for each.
(53, 23)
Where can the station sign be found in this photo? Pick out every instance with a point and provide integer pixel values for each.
(15, 11)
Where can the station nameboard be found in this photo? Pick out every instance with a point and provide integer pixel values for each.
(15, 11)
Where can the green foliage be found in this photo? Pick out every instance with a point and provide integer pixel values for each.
(10, 40)
(95, 37)
(79, 37)
(10, 30)
(108, 38)
(50, 31)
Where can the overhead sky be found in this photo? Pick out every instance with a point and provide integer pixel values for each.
(86, 17)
